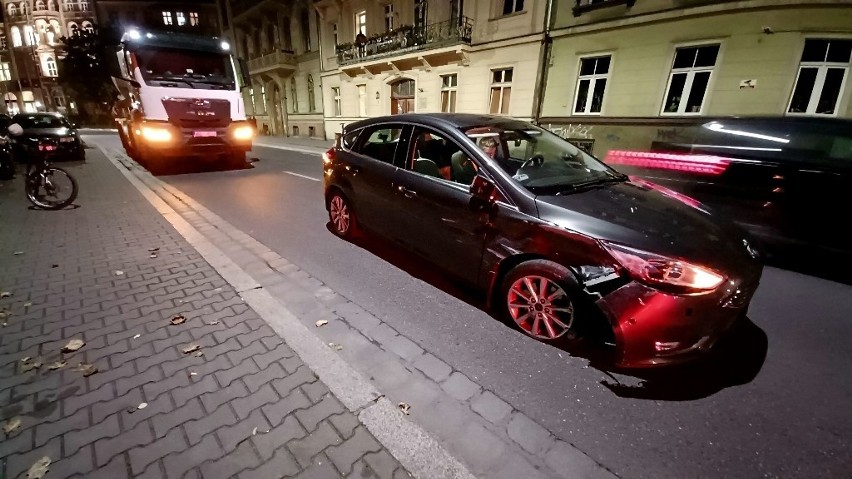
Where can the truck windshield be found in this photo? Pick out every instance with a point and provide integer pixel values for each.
(185, 68)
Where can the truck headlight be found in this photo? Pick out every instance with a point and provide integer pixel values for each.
(244, 132)
(156, 134)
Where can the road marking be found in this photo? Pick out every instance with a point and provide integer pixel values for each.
(308, 150)
(302, 176)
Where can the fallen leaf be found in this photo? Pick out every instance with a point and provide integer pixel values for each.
(14, 423)
(5, 294)
(39, 468)
(73, 345)
(322, 322)
(153, 250)
(25, 359)
(179, 319)
(137, 336)
(56, 365)
(254, 431)
(87, 369)
(27, 366)
(142, 405)
(335, 346)
(193, 373)
(119, 272)
(191, 348)
(404, 407)
(213, 323)
(18, 253)
(153, 255)
(27, 305)
(199, 354)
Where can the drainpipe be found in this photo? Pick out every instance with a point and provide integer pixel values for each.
(543, 62)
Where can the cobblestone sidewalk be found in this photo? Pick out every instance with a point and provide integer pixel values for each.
(113, 273)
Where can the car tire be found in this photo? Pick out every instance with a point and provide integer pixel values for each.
(341, 215)
(550, 318)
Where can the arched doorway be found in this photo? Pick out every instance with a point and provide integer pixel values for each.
(402, 96)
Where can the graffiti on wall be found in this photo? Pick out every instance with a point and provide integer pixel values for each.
(578, 134)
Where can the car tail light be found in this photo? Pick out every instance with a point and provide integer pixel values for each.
(702, 164)
(328, 156)
(665, 273)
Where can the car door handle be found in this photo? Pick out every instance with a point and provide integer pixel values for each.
(406, 192)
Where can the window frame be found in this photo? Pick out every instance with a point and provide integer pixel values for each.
(359, 25)
(312, 104)
(51, 68)
(181, 19)
(167, 18)
(336, 104)
(593, 79)
(5, 71)
(514, 6)
(690, 76)
(362, 100)
(451, 91)
(501, 85)
(389, 12)
(294, 92)
(194, 19)
(367, 131)
(819, 82)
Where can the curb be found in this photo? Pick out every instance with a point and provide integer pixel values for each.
(411, 445)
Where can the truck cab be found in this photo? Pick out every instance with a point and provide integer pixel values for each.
(180, 100)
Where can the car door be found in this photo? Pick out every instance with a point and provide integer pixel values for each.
(436, 219)
(369, 170)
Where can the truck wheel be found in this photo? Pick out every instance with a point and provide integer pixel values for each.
(236, 160)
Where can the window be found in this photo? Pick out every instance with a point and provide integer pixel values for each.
(381, 142)
(84, 5)
(193, 19)
(181, 19)
(73, 29)
(335, 93)
(437, 156)
(293, 95)
(512, 6)
(402, 96)
(449, 84)
(263, 98)
(501, 90)
(167, 18)
(3, 43)
(362, 100)
(59, 100)
(5, 73)
(388, 17)
(689, 79)
(88, 27)
(306, 30)
(334, 33)
(251, 100)
(822, 77)
(13, 10)
(30, 35)
(50, 67)
(312, 106)
(361, 22)
(39, 5)
(16, 36)
(24, 7)
(591, 84)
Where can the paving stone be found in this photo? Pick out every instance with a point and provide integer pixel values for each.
(196, 388)
(312, 416)
(315, 390)
(491, 407)
(382, 463)
(109, 375)
(103, 393)
(404, 348)
(255, 381)
(19, 442)
(282, 464)
(160, 405)
(81, 463)
(219, 396)
(77, 421)
(105, 449)
(231, 436)
(196, 430)
(150, 375)
(152, 390)
(142, 457)
(565, 457)
(74, 440)
(320, 468)
(277, 411)
(243, 457)
(17, 464)
(171, 354)
(345, 455)
(177, 464)
(243, 369)
(306, 448)
(433, 367)
(531, 436)
(244, 406)
(302, 376)
(460, 387)
(479, 444)
(101, 410)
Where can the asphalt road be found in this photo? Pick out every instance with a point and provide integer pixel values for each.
(774, 402)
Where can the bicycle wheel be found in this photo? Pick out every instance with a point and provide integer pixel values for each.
(51, 188)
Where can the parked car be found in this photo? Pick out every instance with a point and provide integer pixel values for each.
(562, 244)
(7, 164)
(54, 125)
(782, 178)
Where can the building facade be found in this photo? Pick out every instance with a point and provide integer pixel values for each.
(30, 36)
(624, 73)
(280, 42)
(188, 16)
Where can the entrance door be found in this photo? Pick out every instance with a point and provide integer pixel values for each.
(402, 97)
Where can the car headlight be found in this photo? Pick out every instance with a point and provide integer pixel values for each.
(665, 273)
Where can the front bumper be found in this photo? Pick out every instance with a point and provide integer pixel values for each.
(655, 328)
(176, 141)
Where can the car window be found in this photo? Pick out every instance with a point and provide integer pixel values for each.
(435, 154)
(40, 121)
(347, 141)
(380, 142)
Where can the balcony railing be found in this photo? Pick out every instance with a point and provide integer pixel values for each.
(270, 60)
(407, 39)
(583, 6)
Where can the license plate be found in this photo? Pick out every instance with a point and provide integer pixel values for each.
(46, 147)
(203, 134)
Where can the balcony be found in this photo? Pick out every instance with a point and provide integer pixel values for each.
(407, 41)
(583, 6)
(276, 62)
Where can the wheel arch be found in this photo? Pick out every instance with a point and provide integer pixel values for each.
(508, 263)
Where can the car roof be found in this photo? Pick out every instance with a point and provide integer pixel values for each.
(446, 120)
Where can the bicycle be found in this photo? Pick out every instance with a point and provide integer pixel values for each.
(47, 187)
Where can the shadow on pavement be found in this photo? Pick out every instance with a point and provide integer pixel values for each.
(736, 359)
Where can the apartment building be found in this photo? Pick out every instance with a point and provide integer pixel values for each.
(622, 73)
(187, 16)
(279, 40)
(30, 34)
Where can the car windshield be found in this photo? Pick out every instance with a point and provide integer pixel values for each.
(40, 121)
(539, 160)
(189, 69)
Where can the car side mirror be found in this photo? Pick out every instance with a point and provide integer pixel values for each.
(482, 193)
(16, 130)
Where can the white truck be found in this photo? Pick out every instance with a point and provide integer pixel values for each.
(180, 100)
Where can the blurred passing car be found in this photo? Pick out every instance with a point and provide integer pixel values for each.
(784, 179)
(54, 126)
(562, 244)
